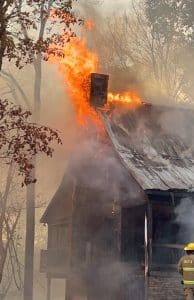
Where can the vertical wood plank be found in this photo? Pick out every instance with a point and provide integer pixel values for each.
(48, 296)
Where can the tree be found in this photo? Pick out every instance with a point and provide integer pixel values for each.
(49, 14)
(19, 17)
(20, 141)
(27, 29)
(12, 198)
(172, 18)
(173, 22)
(129, 48)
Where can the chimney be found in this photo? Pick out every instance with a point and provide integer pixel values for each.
(99, 89)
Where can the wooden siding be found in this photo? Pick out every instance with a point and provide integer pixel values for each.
(57, 236)
(55, 262)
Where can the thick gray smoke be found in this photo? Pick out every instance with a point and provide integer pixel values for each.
(117, 279)
(185, 218)
(96, 166)
(101, 182)
(178, 122)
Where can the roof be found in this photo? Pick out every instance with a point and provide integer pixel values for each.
(155, 144)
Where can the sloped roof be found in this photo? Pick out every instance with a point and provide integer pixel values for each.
(155, 143)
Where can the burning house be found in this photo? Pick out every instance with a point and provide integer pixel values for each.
(113, 224)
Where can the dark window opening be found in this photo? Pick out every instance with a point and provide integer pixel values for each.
(165, 233)
(167, 242)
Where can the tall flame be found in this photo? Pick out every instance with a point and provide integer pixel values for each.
(76, 62)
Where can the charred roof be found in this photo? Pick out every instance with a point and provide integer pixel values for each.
(155, 143)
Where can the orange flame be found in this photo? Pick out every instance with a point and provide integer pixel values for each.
(76, 62)
(130, 97)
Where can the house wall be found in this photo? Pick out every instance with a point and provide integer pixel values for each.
(57, 236)
(132, 235)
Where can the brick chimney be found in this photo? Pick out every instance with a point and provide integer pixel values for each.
(99, 89)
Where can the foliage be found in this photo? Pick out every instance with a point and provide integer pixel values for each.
(20, 20)
(21, 140)
(172, 18)
(27, 29)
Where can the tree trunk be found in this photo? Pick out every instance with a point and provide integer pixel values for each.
(3, 37)
(3, 203)
(37, 87)
(30, 214)
(29, 244)
(2, 261)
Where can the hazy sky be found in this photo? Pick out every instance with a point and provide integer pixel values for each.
(115, 5)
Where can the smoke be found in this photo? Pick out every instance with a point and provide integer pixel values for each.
(101, 183)
(56, 112)
(115, 280)
(184, 217)
(127, 49)
(102, 7)
(96, 166)
(93, 163)
(178, 124)
(119, 43)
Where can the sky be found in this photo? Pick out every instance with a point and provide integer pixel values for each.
(116, 5)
